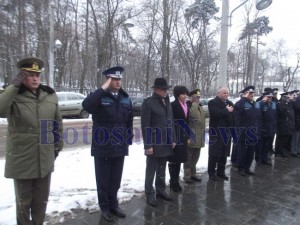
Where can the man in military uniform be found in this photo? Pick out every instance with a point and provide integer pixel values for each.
(26, 103)
(111, 111)
(247, 119)
(159, 140)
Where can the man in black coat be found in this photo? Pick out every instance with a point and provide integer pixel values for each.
(111, 111)
(247, 122)
(221, 118)
(295, 146)
(159, 140)
(285, 125)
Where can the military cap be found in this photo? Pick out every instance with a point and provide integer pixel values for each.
(275, 90)
(161, 83)
(195, 92)
(114, 72)
(248, 89)
(268, 93)
(268, 89)
(31, 64)
(294, 91)
(285, 93)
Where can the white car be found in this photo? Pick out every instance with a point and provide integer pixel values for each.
(70, 104)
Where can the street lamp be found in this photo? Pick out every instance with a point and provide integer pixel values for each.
(52, 47)
(260, 5)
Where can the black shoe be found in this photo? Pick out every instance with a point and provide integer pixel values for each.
(235, 165)
(294, 155)
(249, 172)
(118, 212)
(267, 163)
(243, 173)
(107, 216)
(195, 178)
(175, 187)
(284, 156)
(152, 202)
(223, 176)
(164, 196)
(188, 180)
(213, 178)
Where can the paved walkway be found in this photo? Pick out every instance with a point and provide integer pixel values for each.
(272, 196)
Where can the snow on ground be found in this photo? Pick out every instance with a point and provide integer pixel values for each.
(73, 183)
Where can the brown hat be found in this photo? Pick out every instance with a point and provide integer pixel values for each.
(31, 64)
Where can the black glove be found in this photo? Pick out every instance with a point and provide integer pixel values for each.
(19, 78)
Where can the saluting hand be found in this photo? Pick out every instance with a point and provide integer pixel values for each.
(106, 84)
(19, 78)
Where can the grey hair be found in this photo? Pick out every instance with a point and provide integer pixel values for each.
(222, 89)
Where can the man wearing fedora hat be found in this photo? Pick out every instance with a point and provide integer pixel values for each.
(111, 109)
(159, 139)
(29, 161)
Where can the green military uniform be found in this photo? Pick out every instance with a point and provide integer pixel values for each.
(30, 148)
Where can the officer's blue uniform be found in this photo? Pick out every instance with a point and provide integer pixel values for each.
(247, 118)
(112, 133)
(268, 129)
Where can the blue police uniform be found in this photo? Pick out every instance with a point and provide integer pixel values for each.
(112, 134)
(268, 128)
(247, 119)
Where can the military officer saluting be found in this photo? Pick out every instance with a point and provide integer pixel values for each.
(247, 120)
(111, 111)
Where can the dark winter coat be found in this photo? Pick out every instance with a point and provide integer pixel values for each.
(112, 122)
(285, 117)
(220, 118)
(247, 119)
(296, 106)
(158, 126)
(30, 143)
(181, 131)
(269, 118)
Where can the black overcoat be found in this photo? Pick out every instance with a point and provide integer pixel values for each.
(220, 118)
(285, 118)
(112, 122)
(182, 133)
(157, 126)
(296, 106)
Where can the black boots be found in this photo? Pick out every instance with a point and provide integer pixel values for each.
(174, 170)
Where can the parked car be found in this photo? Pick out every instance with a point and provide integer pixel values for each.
(70, 104)
(204, 104)
(137, 106)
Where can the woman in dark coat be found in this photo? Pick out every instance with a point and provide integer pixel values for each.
(180, 115)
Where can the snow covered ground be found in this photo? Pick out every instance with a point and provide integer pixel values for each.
(73, 182)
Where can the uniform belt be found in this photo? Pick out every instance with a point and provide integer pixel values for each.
(25, 130)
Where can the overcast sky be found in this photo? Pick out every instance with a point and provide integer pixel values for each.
(284, 17)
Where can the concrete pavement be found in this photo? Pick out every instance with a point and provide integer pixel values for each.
(272, 196)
